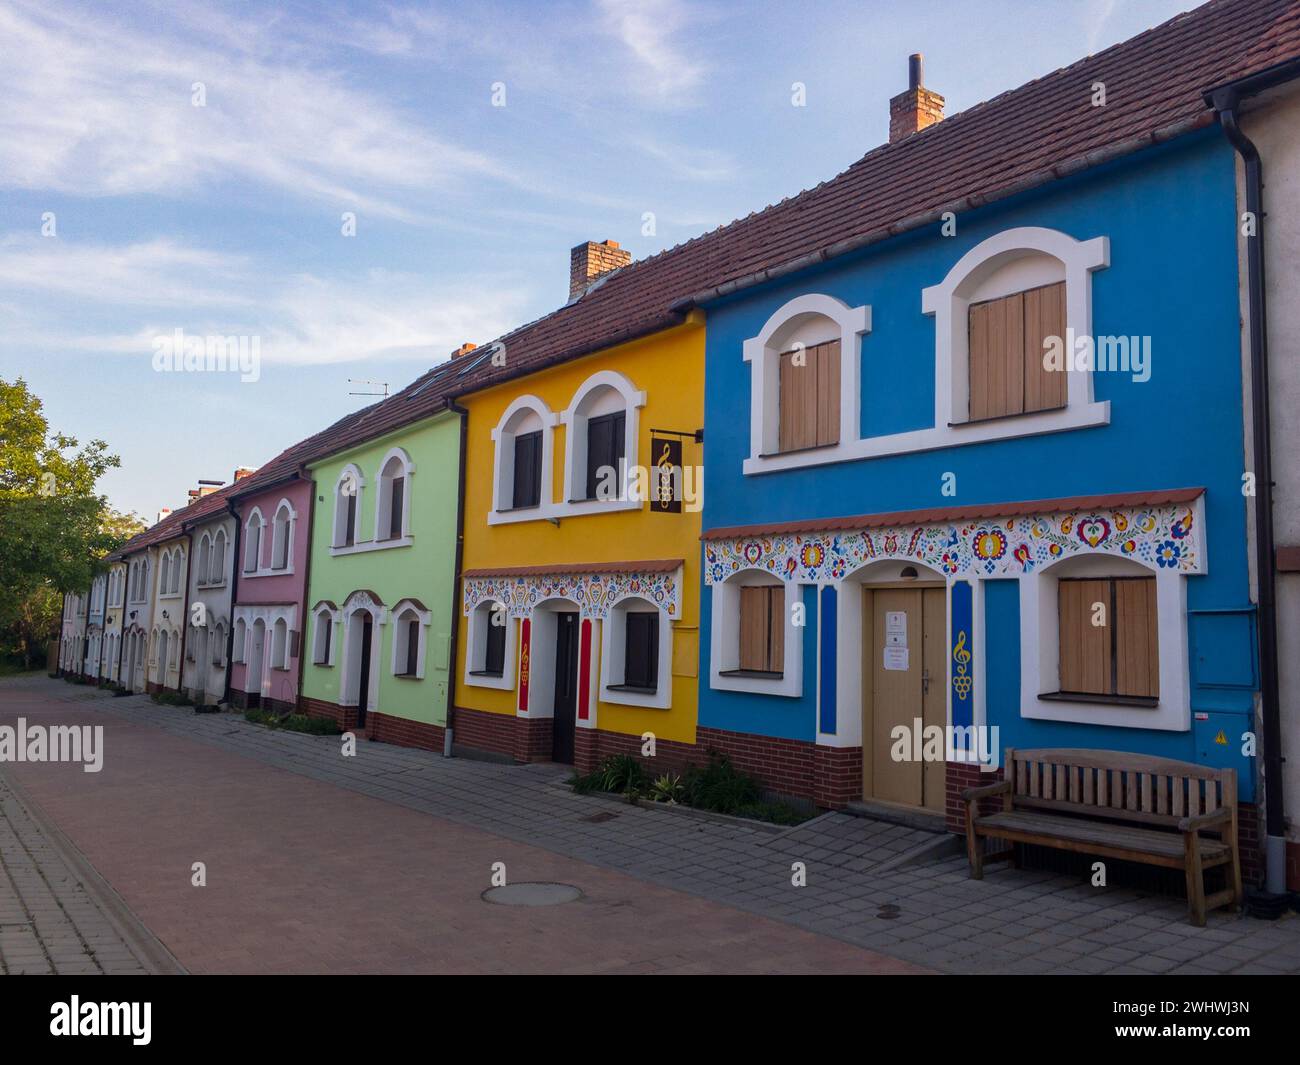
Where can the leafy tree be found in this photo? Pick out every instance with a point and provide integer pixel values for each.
(54, 529)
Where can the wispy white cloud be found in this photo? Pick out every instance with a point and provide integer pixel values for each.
(656, 37)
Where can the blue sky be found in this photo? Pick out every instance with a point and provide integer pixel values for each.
(227, 218)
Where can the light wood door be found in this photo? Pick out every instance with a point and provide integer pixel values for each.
(904, 651)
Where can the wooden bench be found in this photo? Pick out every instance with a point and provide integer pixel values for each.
(1125, 806)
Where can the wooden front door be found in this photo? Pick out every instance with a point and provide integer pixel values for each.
(566, 687)
(904, 680)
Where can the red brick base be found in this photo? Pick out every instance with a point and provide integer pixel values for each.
(593, 746)
(1292, 866)
(523, 739)
(345, 717)
(404, 733)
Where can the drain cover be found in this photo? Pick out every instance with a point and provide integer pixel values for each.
(889, 912)
(600, 818)
(534, 894)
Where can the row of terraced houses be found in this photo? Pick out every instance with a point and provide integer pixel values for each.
(809, 477)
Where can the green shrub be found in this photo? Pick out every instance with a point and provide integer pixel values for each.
(720, 786)
(172, 699)
(619, 773)
(312, 726)
(668, 788)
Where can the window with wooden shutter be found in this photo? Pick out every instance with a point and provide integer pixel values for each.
(641, 650)
(528, 470)
(350, 516)
(1006, 336)
(809, 397)
(1108, 637)
(605, 448)
(396, 503)
(762, 629)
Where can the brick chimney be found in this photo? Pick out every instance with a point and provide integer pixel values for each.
(242, 472)
(464, 349)
(589, 261)
(911, 111)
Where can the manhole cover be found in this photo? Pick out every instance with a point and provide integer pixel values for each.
(532, 894)
(889, 912)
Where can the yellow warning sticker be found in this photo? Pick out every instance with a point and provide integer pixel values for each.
(1221, 739)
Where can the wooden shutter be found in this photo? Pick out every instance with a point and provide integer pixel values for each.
(350, 533)
(1044, 317)
(828, 393)
(397, 492)
(776, 629)
(528, 470)
(412, 646)
(754, 604)
(641, 650)
(809, 399)
(1137, 657)
(604, 447)
(1085, 648)
(996, 347)
(494, 660)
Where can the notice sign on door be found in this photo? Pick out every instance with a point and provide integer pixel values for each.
(896, 640)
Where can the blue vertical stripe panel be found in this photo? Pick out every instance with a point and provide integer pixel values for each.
(962, 651)
(829, 634)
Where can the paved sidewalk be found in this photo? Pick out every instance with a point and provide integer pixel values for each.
(928, 912)
(51, 919)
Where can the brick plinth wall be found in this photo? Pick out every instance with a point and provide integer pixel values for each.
(593, 746)
(243, 700)
(1293, 866)
(962, 775)
(784, 766)
(484, 731)
(345, 717)
(533, 739)
(404, 733)
(151, 688)
(837, 776)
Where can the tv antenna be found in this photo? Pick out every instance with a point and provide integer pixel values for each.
(364, 381)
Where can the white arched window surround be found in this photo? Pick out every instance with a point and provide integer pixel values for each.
(283, 527)
(478, 622)
(325, 616)
(409, 611)
(1040, 657)
(613, 647)
(217, 560)
(1044, 256)
(203, 556)
(813, 318)
(396, 464)
(525, 414)
(241, 634)
(724, 638)
(349, 476)
(574, 418)
(279, 652)
(254, 526)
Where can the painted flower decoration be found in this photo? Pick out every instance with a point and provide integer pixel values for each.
(949, 562)
(1094, 530)
(812, 555)
(1021, 555)
(1129, 546)
(752, 552)
(990, 544)
(1168, 554)
(1181, 527)
(1121, 521)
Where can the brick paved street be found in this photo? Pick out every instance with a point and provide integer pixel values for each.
(376, 863)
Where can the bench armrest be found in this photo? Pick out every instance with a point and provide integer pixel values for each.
(1200, 821)
(983, 792)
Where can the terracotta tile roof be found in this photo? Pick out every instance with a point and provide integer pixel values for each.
(956, 515)
(1028, 136)
(658, 565)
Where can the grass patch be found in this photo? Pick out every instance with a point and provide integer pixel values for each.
(312, 726)
(172, 699)
(717, 786)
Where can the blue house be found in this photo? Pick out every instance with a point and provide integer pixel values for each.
(975, 461)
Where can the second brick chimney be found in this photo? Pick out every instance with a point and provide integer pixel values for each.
(590, 260)
(464, 349)
(911, 111)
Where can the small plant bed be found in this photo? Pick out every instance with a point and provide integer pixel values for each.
(312, 726)
(171, 699)
(207, 708)
(718, 787)
(120, 691)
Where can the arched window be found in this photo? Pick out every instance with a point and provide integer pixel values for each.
(347, 506)
(636, 654)
(523, 441)
(323, 641)
(241, 632)
(282, 536)
(280, 644)
(411, 621)
(253, 541)
(394, 496)
(217, 564)
(204, 553)
(165, 573)
(178, 571)
(755, 645)
(219, 644)
(600, 439)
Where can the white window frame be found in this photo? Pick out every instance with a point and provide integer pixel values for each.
(324, 614)
(1040, 655)
(574, 420)
(724, 638)
(252, 571)
(613, 648)
(203, 556)
(217, 560)
(810, 319)
(338, 535)
(239, 647)
(478, 621)
(423, 618)
(278, 657)
(383, 498)
(290, 527)
(503, 462)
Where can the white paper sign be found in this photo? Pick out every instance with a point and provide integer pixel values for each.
(896, 621)
(896, 658)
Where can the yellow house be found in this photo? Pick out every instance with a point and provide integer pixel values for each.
(579, 610)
